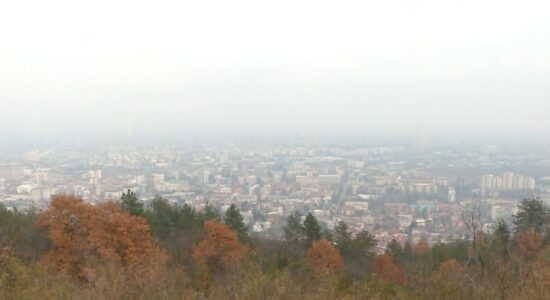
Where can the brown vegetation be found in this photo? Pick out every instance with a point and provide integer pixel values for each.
(105, 253)
(324, 257)
(386, 269)
(221, 247)
(529, 243)
(84, 236)
(451, 269)
(421, 248)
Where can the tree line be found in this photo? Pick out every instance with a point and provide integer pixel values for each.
(123, 250)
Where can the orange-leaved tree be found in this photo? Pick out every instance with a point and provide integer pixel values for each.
(324, 257)
(529, 243)
(451, 269)
(220, 249)
(386, 268)
(421, 248)
(84, 236)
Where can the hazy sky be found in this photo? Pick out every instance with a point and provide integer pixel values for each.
(475, 67)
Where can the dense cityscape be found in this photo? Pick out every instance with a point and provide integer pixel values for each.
(266, 150)
(406, 193)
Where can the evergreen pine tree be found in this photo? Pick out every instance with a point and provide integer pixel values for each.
(342, 238)
(234, 220)
(407, 251)
(129, 202)
(312, 229)
(532, 214)
(394, 249)
(294, 230)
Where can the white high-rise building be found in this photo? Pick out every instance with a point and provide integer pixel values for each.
(206, 177)
(487, 182)
(531, 184)
(451, 195)
(497, 183)
(507, 181)
(521, 180)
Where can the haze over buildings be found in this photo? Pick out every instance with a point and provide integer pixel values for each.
(401, 67)
(275, 149)
(395, 192)
(358, 91)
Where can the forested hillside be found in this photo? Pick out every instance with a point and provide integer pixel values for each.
(121, 250)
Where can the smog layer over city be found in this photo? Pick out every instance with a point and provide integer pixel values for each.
(256, 150)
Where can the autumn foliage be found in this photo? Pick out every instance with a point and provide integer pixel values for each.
(324, 257)
(529, 242)
(83, 236)
(450, 269)
(387, 269)
(220, 249)
(421, 248)
(103, 252)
